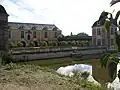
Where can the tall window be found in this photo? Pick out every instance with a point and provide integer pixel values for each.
(55, 34)
(112, 41)
(103, 30)
(98, 31)
(22, 34)
(103, 41)
(28, 37)
(94, 41)
(46, 36)
(99, 42)
(111, 31)
(34, 34)
(9, 34)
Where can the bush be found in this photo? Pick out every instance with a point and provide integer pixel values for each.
(44, 43)
(85, 75)
(19, 44)
(12, 44)
(50, 43)
(31, 44)
(6, 58)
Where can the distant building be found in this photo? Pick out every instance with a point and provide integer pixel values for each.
(100, 37)
(79, 37)
(26, 32)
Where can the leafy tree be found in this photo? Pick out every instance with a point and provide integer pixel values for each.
(109, 60)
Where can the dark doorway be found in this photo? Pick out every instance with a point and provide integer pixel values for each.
(36, 44)
(24, 44)
(28, 37)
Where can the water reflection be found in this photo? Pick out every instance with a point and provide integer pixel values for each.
(97, 74)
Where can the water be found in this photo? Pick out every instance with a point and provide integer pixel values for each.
(68, 70)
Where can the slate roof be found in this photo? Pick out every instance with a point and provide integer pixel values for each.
(31, 26)
(2, 10)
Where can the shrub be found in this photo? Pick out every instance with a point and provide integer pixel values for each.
(6, 58)
(73, 43)
(31, 44)
(55, 43)
(50, 43)
(19, 44)
(12, 44)
(44, 43)
(85, 75)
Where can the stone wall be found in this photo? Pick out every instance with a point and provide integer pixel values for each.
(73, 52)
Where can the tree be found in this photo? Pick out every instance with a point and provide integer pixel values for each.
(114, 2)
(109, 60)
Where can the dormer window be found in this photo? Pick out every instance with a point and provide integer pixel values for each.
(33, 28)
(21, 27)
(98, 23)
(45, 28)
(55, 29)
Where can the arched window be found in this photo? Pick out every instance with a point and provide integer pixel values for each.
(28, 37)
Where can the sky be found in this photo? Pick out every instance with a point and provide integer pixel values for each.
(74, 16)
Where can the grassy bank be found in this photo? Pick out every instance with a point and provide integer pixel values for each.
(34, 77)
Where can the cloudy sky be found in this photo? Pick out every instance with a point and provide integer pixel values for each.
(68, 15)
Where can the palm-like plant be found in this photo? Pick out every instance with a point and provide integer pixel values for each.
(109, 60)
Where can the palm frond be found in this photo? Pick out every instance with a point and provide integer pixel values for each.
(107, 25)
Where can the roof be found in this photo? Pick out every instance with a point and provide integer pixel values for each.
(2, 10)
(29, 26)
(101, 20)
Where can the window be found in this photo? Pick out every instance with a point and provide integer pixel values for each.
(103, 30)
(111, 31)
(34, 34)
(46, 36)
(103, 41)
(22, 34)
(55, 34)
(93, 32)
(28, 37)
(112, 41)
(98, 42)
(9, 34)
(98, 31)
(94, 41)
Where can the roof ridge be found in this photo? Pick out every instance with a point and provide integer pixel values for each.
(30, 23)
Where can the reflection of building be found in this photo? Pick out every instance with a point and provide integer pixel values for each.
(100, 36)
(26, 32)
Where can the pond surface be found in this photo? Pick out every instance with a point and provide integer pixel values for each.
(99, 73)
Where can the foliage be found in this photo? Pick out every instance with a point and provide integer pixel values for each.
(19, 44)
(85, 75)
(12, 44)
(6, 58)
(109, 60)
(44, 43)
(31, 44)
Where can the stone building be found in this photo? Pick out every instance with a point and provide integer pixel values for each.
(26, 32)
(100, 37)
(3, 29)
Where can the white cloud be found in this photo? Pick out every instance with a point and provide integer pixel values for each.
(69, 15)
